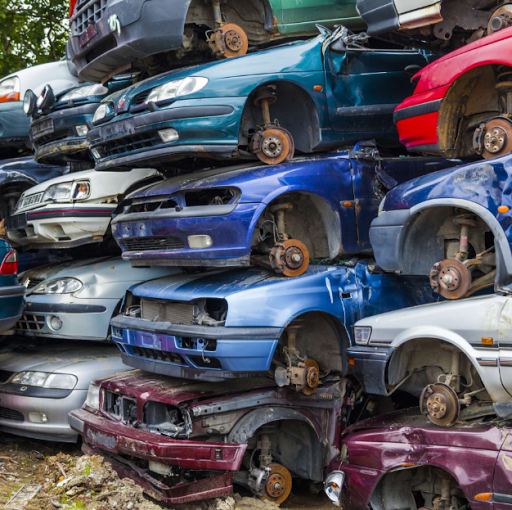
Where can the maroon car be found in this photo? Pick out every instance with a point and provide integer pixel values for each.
(404, 461)
(185, 440)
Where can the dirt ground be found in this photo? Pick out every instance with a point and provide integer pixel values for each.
(73, 481)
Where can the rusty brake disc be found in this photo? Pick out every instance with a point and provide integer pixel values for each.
(290, 258)
(279, 484)
(450, 278)
(497, 138)
(500, 18)
(441, 404)
(275, 145)
(312, 377)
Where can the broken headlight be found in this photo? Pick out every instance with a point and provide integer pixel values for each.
(45, 380)
(103, 111)
(333, 485)
(93, 397)
(67, 191)
(177, 88)
(59, 286)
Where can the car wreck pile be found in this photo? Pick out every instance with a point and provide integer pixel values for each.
(248, 232)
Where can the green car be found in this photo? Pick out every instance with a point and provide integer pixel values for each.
(108, 36)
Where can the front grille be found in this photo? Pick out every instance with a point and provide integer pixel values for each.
(31, 200)
(140, 98)
(129, 143)
(31, 322)
(10, 414)
(33, 282)
(89, 16)
(162, 311)
(206, 362)
(156, 355)
(152, 243)
(53, 137)
(5, 375)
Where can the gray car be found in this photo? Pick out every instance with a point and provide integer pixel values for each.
(41, 383)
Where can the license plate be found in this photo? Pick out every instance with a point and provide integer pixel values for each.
(42, 128)
(87, 35)
(118, 130)
(16, 222)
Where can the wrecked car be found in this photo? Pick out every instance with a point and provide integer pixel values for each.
(243, 323)
(444, 24)
(276, 216)
(404, 461)
(14, 125)
(41, 382)
(185, 441)
(109, 36)
(60, 122)
(75, 300)
(452, 356)
(72, 210)
(310, 96)
(453, 225)
(461, 105)
(12, 294)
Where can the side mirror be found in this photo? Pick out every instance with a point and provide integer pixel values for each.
(29, 103)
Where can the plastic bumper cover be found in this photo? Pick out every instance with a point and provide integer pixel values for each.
(369, 367)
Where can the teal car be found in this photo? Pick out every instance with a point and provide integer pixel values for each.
(308, 96)
(12, 294)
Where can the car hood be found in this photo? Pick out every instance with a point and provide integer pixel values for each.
(28, 169)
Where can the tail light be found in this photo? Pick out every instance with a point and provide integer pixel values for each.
(72, 4)
(10, 264)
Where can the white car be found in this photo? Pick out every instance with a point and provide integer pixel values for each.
(449, 354)
(74, 209)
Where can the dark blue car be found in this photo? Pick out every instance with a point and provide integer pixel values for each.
(245, 322)
(454, 225)
(12, 294)
(280, 216)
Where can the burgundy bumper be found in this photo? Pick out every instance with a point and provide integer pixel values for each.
(358, 487)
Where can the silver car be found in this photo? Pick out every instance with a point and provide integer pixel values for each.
(449, 354)
(40, 384)
(76, 300)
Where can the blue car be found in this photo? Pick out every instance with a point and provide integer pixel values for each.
(311, 96)
(244, 322)
(454, 225)
(12, 294)
(319, 208)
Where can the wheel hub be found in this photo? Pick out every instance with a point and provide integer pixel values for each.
(450, 278)
(272, 147)
(312, 377)
(279, 484)
(497, 138)
(275, 485)
(290, 258)
(234, 41)
(440, 404)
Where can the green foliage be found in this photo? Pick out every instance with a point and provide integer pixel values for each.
(32, 32)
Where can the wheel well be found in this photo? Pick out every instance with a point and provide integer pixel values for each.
(312, 221)
(10, 193)
(414, 488)
(295, 110)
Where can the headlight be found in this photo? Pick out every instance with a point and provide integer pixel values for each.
(381, 206)
(362, 334)
(59, 286)
(93, 397)
(104, 110)
(176, 88)
(45, 380)
(29, 103)
(333, 485)
(81, 190)
(89, 90)
(58, 192)
(10, 89)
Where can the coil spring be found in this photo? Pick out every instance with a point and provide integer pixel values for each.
(504, 73)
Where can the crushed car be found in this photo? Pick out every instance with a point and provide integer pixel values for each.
(278, 217)
(72, 210)
(109, 36)
(12, 294)
(310, 96)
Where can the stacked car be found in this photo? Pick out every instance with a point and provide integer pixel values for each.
(270, 229)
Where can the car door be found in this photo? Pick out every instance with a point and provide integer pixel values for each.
(502, 484)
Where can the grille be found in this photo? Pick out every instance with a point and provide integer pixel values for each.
(5, 375)
(53, 137)
(34, 282)
(10, 414)
(175, 313)
(129, 143)
(30, 322)
(152, 243)
(31, 200)
(155, 355)
(207, 362)
(140, 98)
(91, 15)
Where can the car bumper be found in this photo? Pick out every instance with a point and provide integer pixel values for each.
(14, 124)
(82, 319)
(62, 227)
(15, 409)
(358, 486)
(12, 301)
(157, 348)
(369, 367)
(145, 28)
(229, 227)
(206, 128)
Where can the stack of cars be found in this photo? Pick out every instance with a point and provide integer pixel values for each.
(290, 242)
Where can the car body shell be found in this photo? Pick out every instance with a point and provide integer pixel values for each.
(148, 28)
(12, 294)
(356, 91)
(85, 362)
(345, 188)
(71, 223)
(260, 307)
(475, 454)
(86, 313)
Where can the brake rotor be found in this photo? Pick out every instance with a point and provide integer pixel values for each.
(275, 146)
(312, 377)
(450, 278)
(235, 40)
(500, 18)
(497, 138)
(278, 485)
(290, 258)
(440, 404)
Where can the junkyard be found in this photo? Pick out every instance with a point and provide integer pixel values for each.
(256, 254)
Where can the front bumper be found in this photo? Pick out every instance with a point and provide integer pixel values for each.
(359, 485)
(157, 347)
(14, 124)
(369, 367)
(12, 301)
(206, 127)
(230, 228)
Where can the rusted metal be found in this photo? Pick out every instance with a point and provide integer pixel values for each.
(440, 404)
(279, 484)
(290, 258)
(500, 18)
(450, 278)
(465, 222)
(497, 138)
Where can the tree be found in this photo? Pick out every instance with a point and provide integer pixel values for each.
(32, 33)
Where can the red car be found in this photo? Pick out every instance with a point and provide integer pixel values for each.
(462, 105)
(404, 461)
